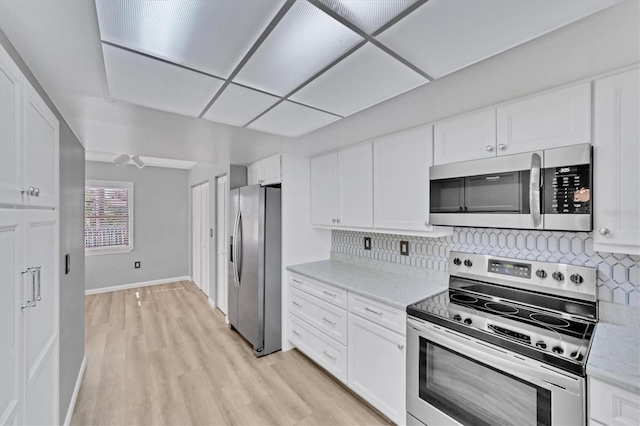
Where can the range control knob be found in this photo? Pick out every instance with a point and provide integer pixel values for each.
(576, 279)
(468, 263)
(541, 273)
(558, 350)
(558, 276)
(457, 261)
(540, 344)
(457, 317)
(467, 321)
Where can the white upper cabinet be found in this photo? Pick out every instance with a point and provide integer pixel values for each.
(355, 186)
(401, 179)
(41, 144)
(29, 142)
(551, 120)
(265, 172)
(468, 137)
(616, 172)
(324, 189)
(11, 101)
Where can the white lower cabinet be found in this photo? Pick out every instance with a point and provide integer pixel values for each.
(376, 367)
(612, 406)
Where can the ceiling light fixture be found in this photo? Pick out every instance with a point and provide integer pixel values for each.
(124, 159)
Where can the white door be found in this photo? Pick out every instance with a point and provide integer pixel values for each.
(401, 179)
(355, 186)
(205, 258)
(616, 158)
(221, 242)
(41, 135)
(324, 187)
(376, 367)
(11, 172)
(254, 173)
(11, 299)
(550, 120)
(196, 246)
(41, 319)
(468, 137)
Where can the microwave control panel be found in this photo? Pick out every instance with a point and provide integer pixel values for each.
(568, 190)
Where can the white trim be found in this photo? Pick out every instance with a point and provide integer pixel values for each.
(135, 285)
(76, 390)
(212, 303)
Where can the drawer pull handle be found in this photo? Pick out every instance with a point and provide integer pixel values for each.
(372, 311)
(400, 346)
(296, 304)
(296, 333)
(329, 321)
(296, 281)
(333, 358)
(329, 294)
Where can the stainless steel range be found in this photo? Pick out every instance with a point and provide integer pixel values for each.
(507, 344)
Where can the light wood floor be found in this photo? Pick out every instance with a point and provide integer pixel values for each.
(161, 355)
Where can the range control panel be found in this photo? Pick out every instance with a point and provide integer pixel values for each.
(512, 269)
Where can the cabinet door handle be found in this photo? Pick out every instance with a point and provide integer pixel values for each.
(33, 287)
(372, 311)
(29, 303)
(337, 220)
(36, 192)
(329, 294)
(502, 147)
(426, 223)
(39, 298)
(297, 304)
(400, 346)
(329, 321)
(604, 231)
(489, 148)
(332, 358)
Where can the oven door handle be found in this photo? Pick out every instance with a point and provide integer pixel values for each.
(498, 358)
(534, 190)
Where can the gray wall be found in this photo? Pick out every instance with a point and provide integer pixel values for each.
(71, 241)
(160, 227)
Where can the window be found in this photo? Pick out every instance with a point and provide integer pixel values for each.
(108, 217)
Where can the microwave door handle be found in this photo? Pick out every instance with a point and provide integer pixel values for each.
(534, 190)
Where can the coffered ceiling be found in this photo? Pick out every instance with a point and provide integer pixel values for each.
(289, 67)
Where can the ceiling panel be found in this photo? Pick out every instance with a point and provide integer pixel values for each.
(366, 77)
(238, 105)
(443, 36)
(291, 119)
(143, 81)
(368, 15)
(211, 36)
(305, 41)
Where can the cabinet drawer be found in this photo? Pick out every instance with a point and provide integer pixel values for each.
(611, 405)
(329, 354)
(392, 318)
(322, 315)
(328, 293)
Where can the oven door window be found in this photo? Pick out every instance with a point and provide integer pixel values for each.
(474, 393)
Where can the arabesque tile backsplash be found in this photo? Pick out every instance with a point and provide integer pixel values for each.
(618, 274)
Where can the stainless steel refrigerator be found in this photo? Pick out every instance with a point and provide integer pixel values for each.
(254, 304)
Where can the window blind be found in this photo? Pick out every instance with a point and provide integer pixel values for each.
(106, 217)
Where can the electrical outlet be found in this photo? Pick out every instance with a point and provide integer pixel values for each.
(367, 243)
(136, 265)
(404, 248)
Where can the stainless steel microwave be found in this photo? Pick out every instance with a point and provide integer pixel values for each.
(549, 189)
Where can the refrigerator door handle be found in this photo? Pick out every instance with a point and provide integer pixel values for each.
(234, 253)
(239, 253)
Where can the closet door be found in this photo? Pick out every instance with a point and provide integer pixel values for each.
(41, 319)
(12, 283)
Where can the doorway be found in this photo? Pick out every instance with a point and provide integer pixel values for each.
(200, 236)
(221, 241)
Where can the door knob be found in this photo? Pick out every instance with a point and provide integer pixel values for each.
(502, 147)
(604, 231)
(489, 148)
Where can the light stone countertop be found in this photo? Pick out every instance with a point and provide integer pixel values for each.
(394, 289)
(615, 350)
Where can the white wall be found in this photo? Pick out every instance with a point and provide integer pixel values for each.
(300, 241)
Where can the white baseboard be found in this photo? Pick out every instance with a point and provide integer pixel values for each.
(76, 390)
(212, 303)
(135, 285)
